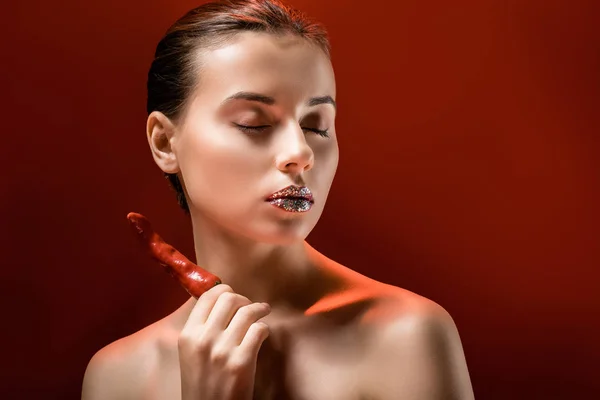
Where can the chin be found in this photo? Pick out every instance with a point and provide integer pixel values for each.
(282, 238)
(284, 234)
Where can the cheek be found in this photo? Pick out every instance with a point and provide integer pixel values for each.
(326, 162)
(217, 168)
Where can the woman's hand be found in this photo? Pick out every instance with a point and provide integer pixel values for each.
(219, 344)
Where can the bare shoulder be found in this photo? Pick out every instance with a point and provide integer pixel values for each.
(122, 369)
(415, 321)
(405, 309)
(418, 350)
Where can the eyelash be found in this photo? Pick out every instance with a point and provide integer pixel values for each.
(254, 129)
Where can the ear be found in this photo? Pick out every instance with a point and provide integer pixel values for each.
(160, 131)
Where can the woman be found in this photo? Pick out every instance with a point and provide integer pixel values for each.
(241, 103)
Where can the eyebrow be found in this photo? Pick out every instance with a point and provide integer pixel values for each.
(261, 98)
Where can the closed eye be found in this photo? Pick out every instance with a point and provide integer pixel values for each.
(254, 129)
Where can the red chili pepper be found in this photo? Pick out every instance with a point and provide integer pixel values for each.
(193, 278)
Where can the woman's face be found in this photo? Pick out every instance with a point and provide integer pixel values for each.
(229, 171)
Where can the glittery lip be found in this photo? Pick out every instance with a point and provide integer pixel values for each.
(292, 192)
(295, 205)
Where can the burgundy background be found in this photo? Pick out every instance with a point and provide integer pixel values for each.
(475, 121)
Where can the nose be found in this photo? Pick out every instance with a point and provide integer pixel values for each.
(295, 155)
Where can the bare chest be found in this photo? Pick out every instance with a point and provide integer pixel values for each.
(306, 367)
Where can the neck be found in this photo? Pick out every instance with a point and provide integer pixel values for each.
(287, 276)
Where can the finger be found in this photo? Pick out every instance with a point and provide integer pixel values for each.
(203, 307)
(224, 309)
(243, 319)
(256, 335)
